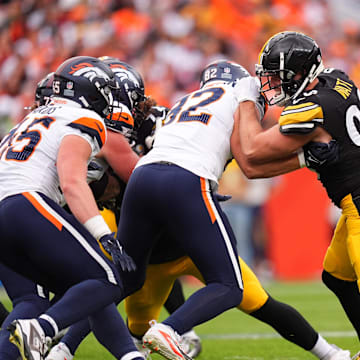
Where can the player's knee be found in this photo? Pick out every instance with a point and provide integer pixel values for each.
(336, 285)
(132, 286)
(227, 295)
(238, 296)
(234, 296)
(34, 303)
(113, 291)
(254, 297)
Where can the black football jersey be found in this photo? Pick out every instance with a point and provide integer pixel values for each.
(146, 129)
(334, 104)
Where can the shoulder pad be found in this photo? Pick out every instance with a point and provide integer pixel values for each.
(333, 73)
(91, 126)
(301, 118)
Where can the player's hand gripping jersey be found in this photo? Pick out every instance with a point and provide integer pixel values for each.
(197, 130)
(333, 104)
(28, 154)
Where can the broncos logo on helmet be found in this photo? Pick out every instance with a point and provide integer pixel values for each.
(89, 71)
(87, 81)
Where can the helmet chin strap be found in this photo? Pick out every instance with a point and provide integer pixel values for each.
(312, 75)
(283, 101)
(280, 99)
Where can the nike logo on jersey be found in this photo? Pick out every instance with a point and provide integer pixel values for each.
(295, 101)
(99, 127)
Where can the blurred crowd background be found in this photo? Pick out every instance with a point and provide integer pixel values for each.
(169, 42)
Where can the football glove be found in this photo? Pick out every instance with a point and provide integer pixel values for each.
(157, 116)
(158, 113)
(120, 258)
(319, 155)
(247, 88)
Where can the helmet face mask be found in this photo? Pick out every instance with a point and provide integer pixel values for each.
(87, 81)
(130, 92)
(43, 90)
(292, 58)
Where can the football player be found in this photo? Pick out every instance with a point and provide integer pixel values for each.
(144, 129)
(189, 154)
(45, 160)
(28, 299)
(322, 111)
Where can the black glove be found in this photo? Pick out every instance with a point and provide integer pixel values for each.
(158, 113)
(221, 198)
(319, 155)
(157, 117)
(119, 257)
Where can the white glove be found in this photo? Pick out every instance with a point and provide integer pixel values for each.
(247, 88)
(96, 169)
(149, 141)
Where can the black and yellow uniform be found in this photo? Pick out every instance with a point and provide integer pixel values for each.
(168, 263)
(334, 104)
(145, 304)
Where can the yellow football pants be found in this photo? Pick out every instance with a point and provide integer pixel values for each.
(342, 259)
(145, 304)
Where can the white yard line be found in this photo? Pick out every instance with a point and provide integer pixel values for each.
(271, 335)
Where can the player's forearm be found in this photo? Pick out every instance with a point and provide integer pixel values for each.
(249, 128)
(253, 169)
(80, 200)
(262, 146)
(124, 165)
(270, 169)
(246, 138)
(119, 155)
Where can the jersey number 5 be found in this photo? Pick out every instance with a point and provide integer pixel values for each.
(19, 146)
(189, 113)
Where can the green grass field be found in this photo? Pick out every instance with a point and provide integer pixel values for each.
(234, 335)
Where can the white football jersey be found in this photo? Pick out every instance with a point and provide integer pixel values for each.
(28, 153)
(197, 130)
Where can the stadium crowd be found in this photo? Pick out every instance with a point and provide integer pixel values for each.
(168, 41)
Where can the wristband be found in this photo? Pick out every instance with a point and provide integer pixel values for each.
(301, 157)
(97, 227)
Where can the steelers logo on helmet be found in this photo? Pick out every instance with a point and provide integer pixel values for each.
(222, 70)
(288, 62)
